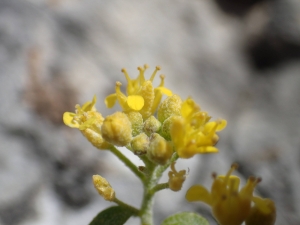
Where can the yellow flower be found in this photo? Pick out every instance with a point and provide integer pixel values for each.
(229, 205)
(141, 96)
(176, 179)
(192, 133)
(88, 121)
(83, 117)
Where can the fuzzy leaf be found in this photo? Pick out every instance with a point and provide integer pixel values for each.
(185, 218)
(115, 215)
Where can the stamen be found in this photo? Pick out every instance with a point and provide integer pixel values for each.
(154, 73)
(234, 166)
(252, 179)
(118, 87)
(126, 74)
(162, 80)
(141, 75)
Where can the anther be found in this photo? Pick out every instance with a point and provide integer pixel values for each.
(258, 180)
(252, 179)
(234, 166)
(214, 175)
(126, 74)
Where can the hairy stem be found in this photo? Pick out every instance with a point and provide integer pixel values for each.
(127, 162)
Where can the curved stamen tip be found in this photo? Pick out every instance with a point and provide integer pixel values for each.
(188, 171)
(140, 68)
(162, 76)
(146, 66)
(123, 70)
(118, 84)
(214, 175)
(234, 166)
(258, 180)
(158, 68)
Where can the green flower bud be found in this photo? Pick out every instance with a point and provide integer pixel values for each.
(151, 125)
(160, 151)
(116, 129)
(137, 123)
(166, 127)
(169, 107)
(140, 144)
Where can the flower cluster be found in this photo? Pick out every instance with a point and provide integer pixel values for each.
(231, 206)
(159, 131)
(180, 126)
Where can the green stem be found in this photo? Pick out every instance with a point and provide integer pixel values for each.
(150, 188)
(146, 212)
(127, 162)
(123, 204)
(159, 187)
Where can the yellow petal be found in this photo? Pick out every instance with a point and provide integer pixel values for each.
(265, 205)
(135, 102)
(207, 149)
(110, 100)
(87, 123)
(233, 183)
(164, 90)
(189, 107)
(68, 120)
(198, 193)
(89, 106)
(215, 125)
(221, 125)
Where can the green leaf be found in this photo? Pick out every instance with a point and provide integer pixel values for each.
(185, 218)
(115, 215)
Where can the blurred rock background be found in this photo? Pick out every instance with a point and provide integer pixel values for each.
(240, 60)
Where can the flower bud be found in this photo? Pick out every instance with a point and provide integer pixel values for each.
(116, 129)
(140, 144)
(166, 128)
(169, 107)
(151, 125)
(136, 121)
(103, 188)
(160, 151)
(176, 179)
